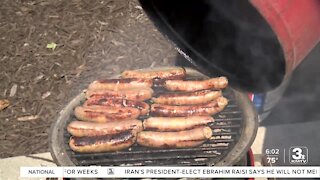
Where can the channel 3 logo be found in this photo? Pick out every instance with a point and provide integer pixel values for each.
(298, 155)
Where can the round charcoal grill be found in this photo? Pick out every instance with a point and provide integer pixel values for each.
(234, 130)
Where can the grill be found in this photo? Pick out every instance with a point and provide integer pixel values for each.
(234, 130)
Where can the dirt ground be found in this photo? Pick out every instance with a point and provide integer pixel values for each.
(93, 40)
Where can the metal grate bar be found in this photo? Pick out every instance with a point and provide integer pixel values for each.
(148, 151)
(224, 133)
(228, 119)
(153, 158)
(225, 126)
(166, 162)
(230, 112)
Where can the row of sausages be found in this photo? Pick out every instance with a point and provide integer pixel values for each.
(108, 119)
(117, 135)
(105, 109)
(180, 119)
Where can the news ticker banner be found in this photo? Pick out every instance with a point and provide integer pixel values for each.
(170, 172)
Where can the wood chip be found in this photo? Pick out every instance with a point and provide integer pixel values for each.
(4, 103)
(80, 69)
(5, 92)
(46, 94)
(38, 78)
(13, 90)
(117, 43)
(28, 118)
(138, 7)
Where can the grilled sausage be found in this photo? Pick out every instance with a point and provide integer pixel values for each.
(180, 85)
(120, 84)
(81, 128)
(105, 143)
(135, 94)
(165, 73)
(175, 123)
(187, 98)
(103, 114)
(180, 139)
(142, 106)
(207, 109)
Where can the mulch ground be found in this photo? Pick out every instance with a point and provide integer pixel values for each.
(93, 40)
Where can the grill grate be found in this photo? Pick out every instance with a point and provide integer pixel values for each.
(226, 132)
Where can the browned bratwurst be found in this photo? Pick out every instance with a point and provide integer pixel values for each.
(165, 73)
(180, 139)
(175, 123)
(103, 114)
(120, 84)
(207, 109)
(180, 85)
(82, 128)
(105, 143)
(187, 98)
(135, 94)
(142, 106)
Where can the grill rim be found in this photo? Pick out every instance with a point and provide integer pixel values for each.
(247, 134)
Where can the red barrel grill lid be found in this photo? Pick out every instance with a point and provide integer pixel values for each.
(297, 25)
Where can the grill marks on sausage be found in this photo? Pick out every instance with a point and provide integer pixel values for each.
(182, 144)
(187, 98)
(181, 139)
(207, 109)
(82, 128)
(169, 73)
(142, 106)
(170, 95)
(105, 143)
(124, 80)
(110, 139)
(175, 123)
(120, 84)
(180, 85)
(135, 94)
(104, 114)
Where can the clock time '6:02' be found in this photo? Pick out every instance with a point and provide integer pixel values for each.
(272, 151)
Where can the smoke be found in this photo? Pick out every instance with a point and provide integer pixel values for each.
(248, 48)
(224, 37)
